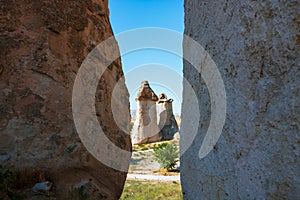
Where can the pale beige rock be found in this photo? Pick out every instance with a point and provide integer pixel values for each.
(145, 127)
(255, 45)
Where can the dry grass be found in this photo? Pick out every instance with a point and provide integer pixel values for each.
(138, 147)
(165, 172)
(154, 190)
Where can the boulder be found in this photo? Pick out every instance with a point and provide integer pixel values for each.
(42, 188)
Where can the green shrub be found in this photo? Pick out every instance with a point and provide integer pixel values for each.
(159, 146)
(166, 155)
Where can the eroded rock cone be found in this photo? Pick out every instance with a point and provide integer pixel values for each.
(145, 127)
(166, 120)
(43, 44)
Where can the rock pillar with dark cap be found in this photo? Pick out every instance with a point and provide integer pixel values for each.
(145, 127)
(166, 123)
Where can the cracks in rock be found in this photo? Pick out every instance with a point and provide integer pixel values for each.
(1, 69)
(47, 75)
(50, 28)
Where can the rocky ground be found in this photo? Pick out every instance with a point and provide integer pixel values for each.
(143, 160)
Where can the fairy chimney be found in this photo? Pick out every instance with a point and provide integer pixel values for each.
(145, 127)
(166, 120)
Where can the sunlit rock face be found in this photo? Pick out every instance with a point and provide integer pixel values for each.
(43, 44)
(255, 46)
(145, 127)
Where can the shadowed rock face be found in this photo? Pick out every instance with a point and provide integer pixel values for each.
(166, 120)
(256, 48)
(43, 44)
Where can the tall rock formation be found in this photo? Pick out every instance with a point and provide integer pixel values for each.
(166, 120)
(145, 127)
(43, 44)
(255, 45)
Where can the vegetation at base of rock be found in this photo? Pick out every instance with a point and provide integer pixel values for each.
(143, 147)
(17, 184)
(160, 146)
(165, 172)
(166, 155)
(153, 145)
(140, 190)
(8, 184)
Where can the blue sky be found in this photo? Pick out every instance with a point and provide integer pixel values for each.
(144, 64)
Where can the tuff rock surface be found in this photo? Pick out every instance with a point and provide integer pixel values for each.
(145, 127)
(255, 45)
(166, 120)
(43, 44)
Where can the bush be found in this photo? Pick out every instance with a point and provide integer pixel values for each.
(160, 146)
(167, 155)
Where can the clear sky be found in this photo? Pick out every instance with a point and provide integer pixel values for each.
(146, 64)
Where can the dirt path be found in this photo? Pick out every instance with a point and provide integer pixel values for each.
(152, 177)
(143, 166)
(143, 162)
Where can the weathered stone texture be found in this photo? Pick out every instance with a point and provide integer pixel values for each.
(145, 127)
(166, 121)
(43, 44)
(256, 48)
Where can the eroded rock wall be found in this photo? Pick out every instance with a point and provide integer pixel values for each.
(256, 48)
(43, 44)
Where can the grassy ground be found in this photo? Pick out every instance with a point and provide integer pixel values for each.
(141, 190)
(141, 147)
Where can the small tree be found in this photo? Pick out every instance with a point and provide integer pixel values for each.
(167, 155)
